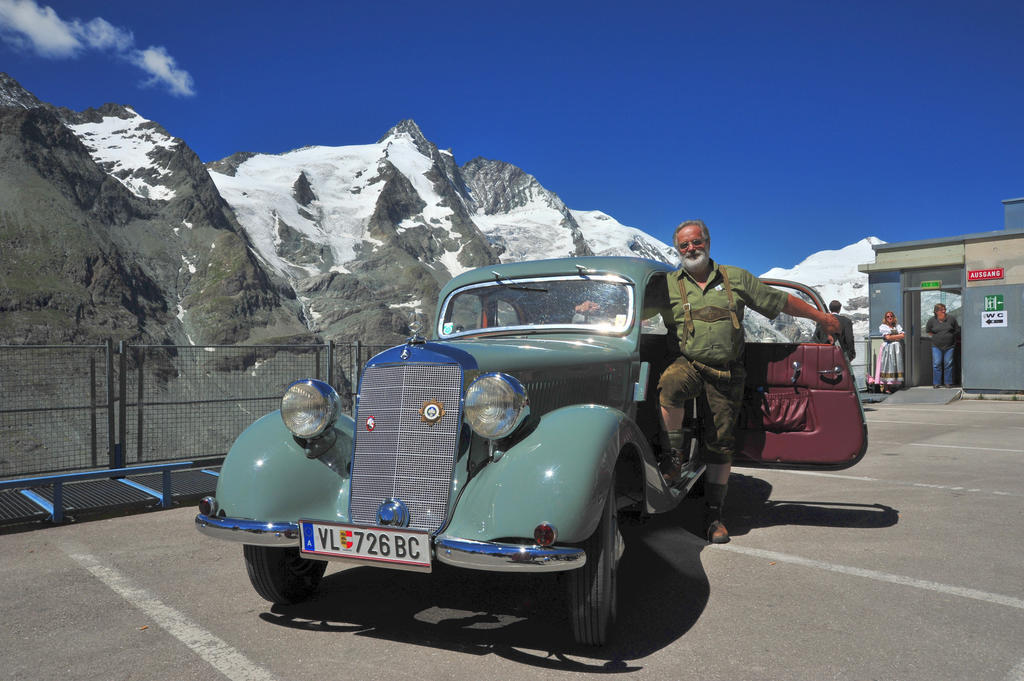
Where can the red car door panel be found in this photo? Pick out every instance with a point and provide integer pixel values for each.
(800, 407)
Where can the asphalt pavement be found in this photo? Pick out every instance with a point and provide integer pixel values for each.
(907, 566)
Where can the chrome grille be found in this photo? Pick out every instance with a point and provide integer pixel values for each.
(402, 456)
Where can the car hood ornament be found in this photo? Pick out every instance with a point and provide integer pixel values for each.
(415, 327)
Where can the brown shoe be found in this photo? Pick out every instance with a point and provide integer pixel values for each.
(672, 466)
(717, 534)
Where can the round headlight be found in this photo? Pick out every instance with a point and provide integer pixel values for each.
(495, 405)
(309, 407)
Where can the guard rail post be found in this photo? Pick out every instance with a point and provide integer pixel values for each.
(330, 363)
(109, 353)
(122, 407)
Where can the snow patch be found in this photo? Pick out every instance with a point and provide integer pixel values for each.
(122, 147)
(260, 193)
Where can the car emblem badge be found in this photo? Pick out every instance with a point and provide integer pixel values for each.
(371, 423)
(393, 513)
(431, 412)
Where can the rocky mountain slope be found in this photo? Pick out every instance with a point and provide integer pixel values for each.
(112, 227)
(366, 234)
(132, 244)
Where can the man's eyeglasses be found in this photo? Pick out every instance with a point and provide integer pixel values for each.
(696, 243)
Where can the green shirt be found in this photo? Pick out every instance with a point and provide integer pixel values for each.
(718, 342)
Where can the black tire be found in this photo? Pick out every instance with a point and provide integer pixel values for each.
(593, 588)
(281, 575)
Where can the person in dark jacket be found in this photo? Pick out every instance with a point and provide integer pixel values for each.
(845, 335)
(943, 331)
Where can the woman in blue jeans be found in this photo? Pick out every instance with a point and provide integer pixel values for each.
(943, 331)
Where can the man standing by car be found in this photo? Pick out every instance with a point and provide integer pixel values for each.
(943, 330)
(706, 310)
(845, 335)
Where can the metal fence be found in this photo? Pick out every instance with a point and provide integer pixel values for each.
(55, 408)
(77, 407)
(68, 408)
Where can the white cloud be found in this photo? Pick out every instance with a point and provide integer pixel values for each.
(162, 67)
(25, 25)
(101, 34)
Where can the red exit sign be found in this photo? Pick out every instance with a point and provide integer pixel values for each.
(983, 275)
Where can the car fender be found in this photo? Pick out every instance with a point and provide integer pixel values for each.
(269, 475)
(559, 473)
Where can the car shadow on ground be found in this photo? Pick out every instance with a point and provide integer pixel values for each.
(663, 590)
(749, 505)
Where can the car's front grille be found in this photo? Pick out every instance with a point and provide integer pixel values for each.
(398, 453)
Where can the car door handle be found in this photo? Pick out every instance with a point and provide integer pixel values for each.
(797, 366)
(836, 370)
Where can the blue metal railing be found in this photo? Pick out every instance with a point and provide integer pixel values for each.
(56, 507)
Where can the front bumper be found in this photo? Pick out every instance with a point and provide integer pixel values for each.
(249, 531)
(465, 553)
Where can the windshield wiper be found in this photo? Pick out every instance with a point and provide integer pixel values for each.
(505, 282)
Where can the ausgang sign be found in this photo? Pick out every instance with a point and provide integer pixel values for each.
(984, 275)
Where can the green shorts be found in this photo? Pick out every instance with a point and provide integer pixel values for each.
(719, 393)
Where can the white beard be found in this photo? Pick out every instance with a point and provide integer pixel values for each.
(696, 262)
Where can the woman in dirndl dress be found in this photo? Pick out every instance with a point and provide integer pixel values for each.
(889, 367)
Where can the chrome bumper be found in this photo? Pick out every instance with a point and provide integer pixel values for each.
(495, 557)
(464, 553)
(249, 531)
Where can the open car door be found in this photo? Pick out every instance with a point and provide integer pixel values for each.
(800, 405)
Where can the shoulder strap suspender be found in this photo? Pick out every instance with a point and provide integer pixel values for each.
(732, 303)
(687, 317)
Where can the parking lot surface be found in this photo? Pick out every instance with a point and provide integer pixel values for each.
(907, 566)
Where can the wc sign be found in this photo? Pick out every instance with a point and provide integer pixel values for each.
(994, 313)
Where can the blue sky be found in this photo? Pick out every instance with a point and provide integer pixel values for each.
(789, 127)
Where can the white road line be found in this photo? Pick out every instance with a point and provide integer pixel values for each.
(950, 590)
(957, 426)
(924, 423)
(983, 449)
(899, 483)
(210, 648)
(932, 407)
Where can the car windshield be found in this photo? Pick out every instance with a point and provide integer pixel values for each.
(597, 303)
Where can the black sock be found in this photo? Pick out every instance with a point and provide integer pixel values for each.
(714, 499)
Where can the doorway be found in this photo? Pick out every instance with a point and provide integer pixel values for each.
(919, 309)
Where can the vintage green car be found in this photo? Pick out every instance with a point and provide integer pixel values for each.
(516, 438)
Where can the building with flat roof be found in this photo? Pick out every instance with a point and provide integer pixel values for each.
(979, 278)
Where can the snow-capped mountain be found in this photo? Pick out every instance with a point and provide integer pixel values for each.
(111, 228)
(320, 242)
(131, 149)
(333, 220)
(835, 275)
(327, 242)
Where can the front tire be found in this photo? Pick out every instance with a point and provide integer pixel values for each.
(280, 574)
(593, 588)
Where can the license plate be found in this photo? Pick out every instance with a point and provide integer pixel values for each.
(397, 548)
